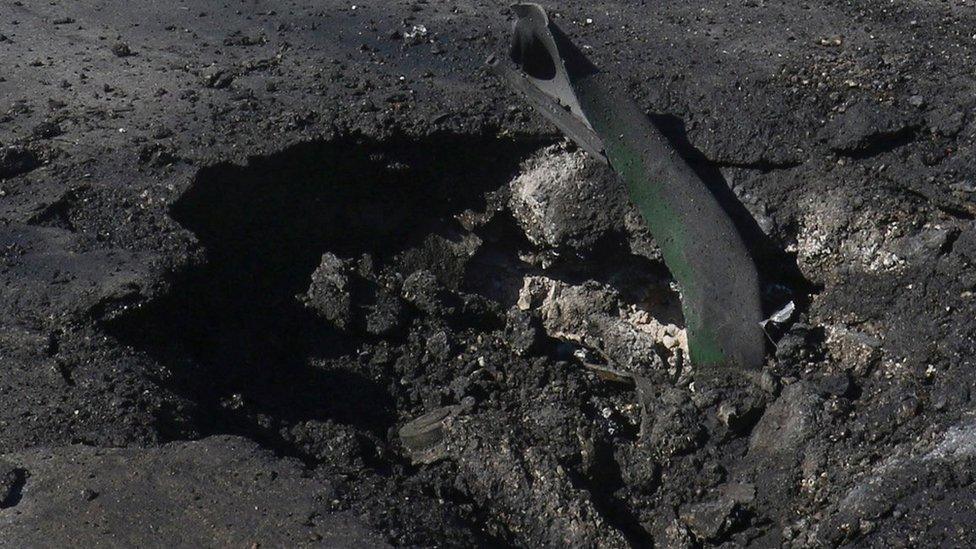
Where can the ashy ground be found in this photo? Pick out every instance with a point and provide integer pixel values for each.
(302, 273)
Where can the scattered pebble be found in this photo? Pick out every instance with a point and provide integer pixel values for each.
(121, 49)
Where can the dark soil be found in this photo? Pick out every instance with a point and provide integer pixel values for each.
(304, 274)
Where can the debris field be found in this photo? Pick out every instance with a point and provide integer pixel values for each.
(305, 273)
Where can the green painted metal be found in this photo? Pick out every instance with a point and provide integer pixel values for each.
(699, 242)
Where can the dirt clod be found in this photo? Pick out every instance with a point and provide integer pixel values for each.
(121, 49)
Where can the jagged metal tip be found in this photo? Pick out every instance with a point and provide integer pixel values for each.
(699, 242)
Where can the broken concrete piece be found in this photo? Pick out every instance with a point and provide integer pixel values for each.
(593, 315)
(855, 350)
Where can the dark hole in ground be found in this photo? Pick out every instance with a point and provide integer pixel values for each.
(246, 351)
(12, 483)
(232, 331)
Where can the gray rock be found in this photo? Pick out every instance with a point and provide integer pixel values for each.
(530, 486)
(739, 492)
(836, 385)
(330, 293)
(709, 519)
(924, 244)
(670, 425)
(46, 130)
(522, 331)
(440, 346)
(446, 256)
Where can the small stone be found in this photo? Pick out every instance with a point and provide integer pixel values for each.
(838, 385)
(908, 408)
(965, 244)
(422, 289)
(468, 403)
(216, 77)
(330, 292)
(788, 423)
(121, 49)
(162, 132)
(916, 101)
(709, 519)
(522, 332)
(926, 243)
(439, 346)
(88, 494)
